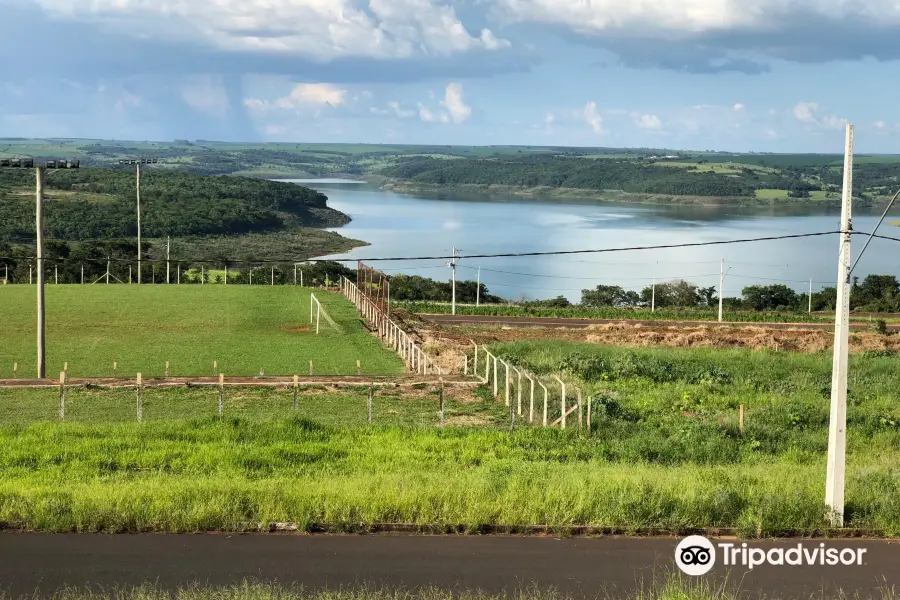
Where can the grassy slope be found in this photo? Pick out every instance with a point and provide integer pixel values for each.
(141, 327)
(665, 452)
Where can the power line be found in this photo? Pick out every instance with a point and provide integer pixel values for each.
(588, 278)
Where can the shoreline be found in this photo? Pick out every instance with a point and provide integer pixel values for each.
(505, 191)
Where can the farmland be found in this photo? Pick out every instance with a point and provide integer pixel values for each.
(244, 328)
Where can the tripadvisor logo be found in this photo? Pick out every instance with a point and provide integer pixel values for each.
(696, 555)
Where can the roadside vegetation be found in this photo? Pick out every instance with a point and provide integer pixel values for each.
(665, 452)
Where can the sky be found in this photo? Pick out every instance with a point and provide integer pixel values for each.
(735, 75)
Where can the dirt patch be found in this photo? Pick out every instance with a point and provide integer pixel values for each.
(704, 336)
(466, 421)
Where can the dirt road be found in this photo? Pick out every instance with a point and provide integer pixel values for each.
(576, 566)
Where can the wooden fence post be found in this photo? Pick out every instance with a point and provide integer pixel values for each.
(15, 370)
(369, 402)
(221, 393)
(357, 368)
(66, 367)
(140, 399)
(215, 367)
(167, 368)
(62, 396)
(310, 368)
(442, 401)
(741, 417)
(115, 367)
(296, 387)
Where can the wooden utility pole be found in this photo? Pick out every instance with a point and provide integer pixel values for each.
(837, 427)
(39, 255)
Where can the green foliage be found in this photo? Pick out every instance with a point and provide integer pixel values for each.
(172, 203)
(415, 287)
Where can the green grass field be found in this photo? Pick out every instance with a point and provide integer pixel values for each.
(141, 327)
(665, 451)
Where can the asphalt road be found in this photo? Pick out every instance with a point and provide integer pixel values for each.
(584, 323)
(576, 566)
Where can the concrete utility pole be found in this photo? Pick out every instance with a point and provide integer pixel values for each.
(168, 242)
(39, 254)
(721, 287)
(138, 165)
(653, 296)
(452, 265)
(810, 295)
(478, 289)
(837, 426)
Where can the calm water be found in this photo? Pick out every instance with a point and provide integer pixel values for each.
(400, 226)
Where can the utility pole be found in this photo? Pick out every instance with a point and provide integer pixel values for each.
(138, 165)
(168, 242)
(837, 426)
(39, 254)
(721, 287)
(452, 265)
(810, 295)
(653, 296)
(478, 290)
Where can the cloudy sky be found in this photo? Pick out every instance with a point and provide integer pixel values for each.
(761, 75)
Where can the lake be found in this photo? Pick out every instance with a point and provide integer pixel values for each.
(407, 226)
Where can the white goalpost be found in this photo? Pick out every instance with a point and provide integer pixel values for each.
(320, 312)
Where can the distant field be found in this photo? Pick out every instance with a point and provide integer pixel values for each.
(141, 327)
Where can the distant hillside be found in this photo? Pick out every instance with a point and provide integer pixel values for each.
(100, 203)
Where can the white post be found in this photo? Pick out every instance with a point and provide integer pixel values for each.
(562, 403)
(273, 274)
(295, 274)
(531, 401)
(478, 289)
(653, 297)
(546, 398)
(107, 270)
(202, 273)
(226, 273)
(810, 295)
(39, 255)
(55, 275)
(453, 268)
(506, 382)
(138, 188)
(168, 247)
(82, 274)
(301, 278)
(721, 287)
(318, 310)
(475, 360)
(519, 394)
(495, 376)
(837, 427)
(251, 282)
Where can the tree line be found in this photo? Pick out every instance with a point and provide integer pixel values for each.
(101, 203)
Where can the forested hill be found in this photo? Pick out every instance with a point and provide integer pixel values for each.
(587, 173)
(100, 203)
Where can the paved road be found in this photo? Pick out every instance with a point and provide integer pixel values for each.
(576, 566)
(584, 323)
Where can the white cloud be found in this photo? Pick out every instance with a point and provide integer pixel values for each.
(592, 117)
(453, 102)
(688, 18)
(549, 119)
(648, 122)
(814, 115)
(206, 94)
(739, 107)
(425, 114)
(880, 124)
(318, 29)
(302, 95)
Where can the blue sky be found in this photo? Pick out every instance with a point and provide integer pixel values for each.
(740, 75)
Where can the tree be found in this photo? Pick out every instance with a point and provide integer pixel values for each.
(770, 297)
(677, 293)
(603, 295)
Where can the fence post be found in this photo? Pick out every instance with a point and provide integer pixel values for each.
(66, 367)
(531, 401)
(442, 401)
(508, 383)
(310, 368)
(578, 395)
(562, 424)
(167, 368)
(296, 386)
(465, 364)
(589, 402)
(215, 367)
(512, 410)
(357, 367)
(496, 382)
(546, 398)
(15, 370)
(369, 403)
(221, 393)
(62, 395)
(140, 399)
(475, 360)
(741, 418)
(519, 393)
